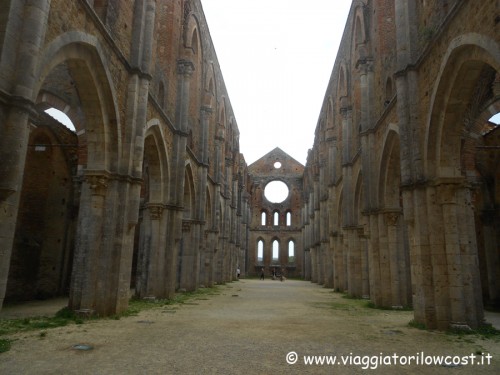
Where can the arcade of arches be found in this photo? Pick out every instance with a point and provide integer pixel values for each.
(398, 201)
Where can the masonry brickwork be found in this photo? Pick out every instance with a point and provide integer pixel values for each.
(148, 191)
(398, 180)
(398, 201)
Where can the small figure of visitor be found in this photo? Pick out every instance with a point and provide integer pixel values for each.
(238, 272)
(262, 273)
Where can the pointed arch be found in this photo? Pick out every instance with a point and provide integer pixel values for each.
(466, 59)
(156, 158)
(390, 171)
(85, 59)
(189, 193)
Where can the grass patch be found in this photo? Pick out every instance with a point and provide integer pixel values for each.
(414, 324)
(4, 345)
(137, 305)
(371, 305)
(486, 331)
(62, 318)
(66, 316)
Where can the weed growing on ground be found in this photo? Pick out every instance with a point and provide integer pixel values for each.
(485, 332)
(4, 345)
(136, 305)
(66, 316)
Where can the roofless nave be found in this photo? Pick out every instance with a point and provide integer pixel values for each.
(398, 201)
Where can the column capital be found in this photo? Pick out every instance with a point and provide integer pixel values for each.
(391, 218)
(155, 210)
(98, 183)
(346, 111)
(364, 65)
(185, 67)
(206, 109)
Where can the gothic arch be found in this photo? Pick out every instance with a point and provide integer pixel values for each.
(343, 85)
(467, 56)
(189, 193)
(85, 59)
(359, 33)
(390, 170)
(155, 154)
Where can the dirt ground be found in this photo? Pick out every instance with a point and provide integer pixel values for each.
(247, 327)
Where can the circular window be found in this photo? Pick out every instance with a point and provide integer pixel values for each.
(276, 191)
(277, 165)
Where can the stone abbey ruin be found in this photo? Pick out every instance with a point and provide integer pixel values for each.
(398, 201)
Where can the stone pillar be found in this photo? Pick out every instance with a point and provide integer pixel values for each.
(460, 248)
(394, 249)
(374, 260)
(354, 263)
(151, 257)
(179, 238)
(88, 244)
(205, 115)
(314, 264)
(18, 64)
(340, 276)
(365, 265)
(307, 264)
(190, 256)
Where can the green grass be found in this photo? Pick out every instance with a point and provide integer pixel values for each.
(61, 318)
(371, 305)
(137, 305)
(4, 345)
(486, 331)
(66, 316)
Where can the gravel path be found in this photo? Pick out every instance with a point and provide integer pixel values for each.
(248, 327)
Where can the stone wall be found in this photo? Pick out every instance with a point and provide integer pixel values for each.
(397, 170)
(154, 191)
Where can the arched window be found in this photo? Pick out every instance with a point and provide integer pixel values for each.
(276, 250)
(61, 117)
(263, 218)
(291, 251)
(288, 218)
(260, 251)
(276, 216)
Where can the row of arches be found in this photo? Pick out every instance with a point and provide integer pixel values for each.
(145, 191)
(397, 181)
(276, 254)
(276, 218)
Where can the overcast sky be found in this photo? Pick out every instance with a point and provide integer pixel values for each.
(276, 58)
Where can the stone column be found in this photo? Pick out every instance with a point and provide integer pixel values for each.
(18, 64)
(365, 265)
(374, 260)
(354, 263)
(339, 277)
(190, 261)
(314, 264)
(307, 264)
(462, 284)
(394, 248)
(88, 244)
(151, 257)
(177, 235)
